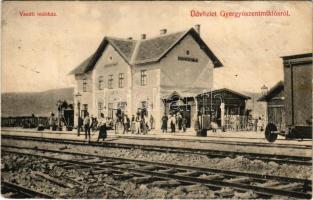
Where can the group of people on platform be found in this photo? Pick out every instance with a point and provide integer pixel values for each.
(174, 122)
(90, 123)
(139, 124)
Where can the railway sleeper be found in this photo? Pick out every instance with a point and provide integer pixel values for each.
(145, 179)
(189, 173)
(122, 177)
(150, 167)
(54, 180)
(102, 171)
(290, 186)
(211, 177)
(170, 170)
(165, 183)
(130, 165)
(239, 180)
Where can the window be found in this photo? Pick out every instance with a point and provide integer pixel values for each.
(84, 85)
(84, 111)
(120, 80)
(100, 83)
(100, 108)
(110, 82)
(143, 77)
(187, 52)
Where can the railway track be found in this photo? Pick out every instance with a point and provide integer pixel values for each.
(21, 192)
(264, 186)
(237, 143)
(281, 159)
(214, 141)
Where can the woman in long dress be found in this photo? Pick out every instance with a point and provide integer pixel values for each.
(102, 128)
(164, 123)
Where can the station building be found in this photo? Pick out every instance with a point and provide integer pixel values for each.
(150, 73)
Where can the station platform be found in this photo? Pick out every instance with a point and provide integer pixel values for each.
(190, 134)
(231, 141)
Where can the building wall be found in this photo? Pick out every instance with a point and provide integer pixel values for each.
(182, 75)
(85, 96)
(170, 75)
(149, 92)
(111, 63)
(186, 77)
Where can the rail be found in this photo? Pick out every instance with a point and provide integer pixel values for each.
(282, 159)
(212, 178)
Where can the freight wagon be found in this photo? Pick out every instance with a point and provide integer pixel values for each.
(297, 97)
(24, 121)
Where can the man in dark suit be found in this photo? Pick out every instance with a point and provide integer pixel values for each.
(87, 126)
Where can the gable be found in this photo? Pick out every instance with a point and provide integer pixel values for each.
(155, 49)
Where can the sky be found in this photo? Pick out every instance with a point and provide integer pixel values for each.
(39, 52)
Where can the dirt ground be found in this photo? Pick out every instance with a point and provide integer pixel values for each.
(234, 164)
(24, 170)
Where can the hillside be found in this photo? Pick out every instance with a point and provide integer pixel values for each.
(38, 103)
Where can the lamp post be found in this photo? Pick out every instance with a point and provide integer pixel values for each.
(59, 103)
(264, 91)
(78, 97)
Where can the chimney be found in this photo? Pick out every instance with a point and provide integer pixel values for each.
(264, 90)
(197, 27)
(129, 38)
(143, 36)
(163, 31)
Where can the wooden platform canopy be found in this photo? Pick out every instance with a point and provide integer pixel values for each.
(235, 102)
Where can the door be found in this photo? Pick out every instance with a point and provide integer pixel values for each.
(186, 112)
(276, 115)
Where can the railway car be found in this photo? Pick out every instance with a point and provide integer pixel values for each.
(297, 97)
(24, 121)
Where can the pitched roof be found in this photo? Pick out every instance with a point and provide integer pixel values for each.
(273, 91)
(80, 69)
(152, 49)
(144, 51)
(124, 47)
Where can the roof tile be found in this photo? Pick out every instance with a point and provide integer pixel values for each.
(143, 51)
